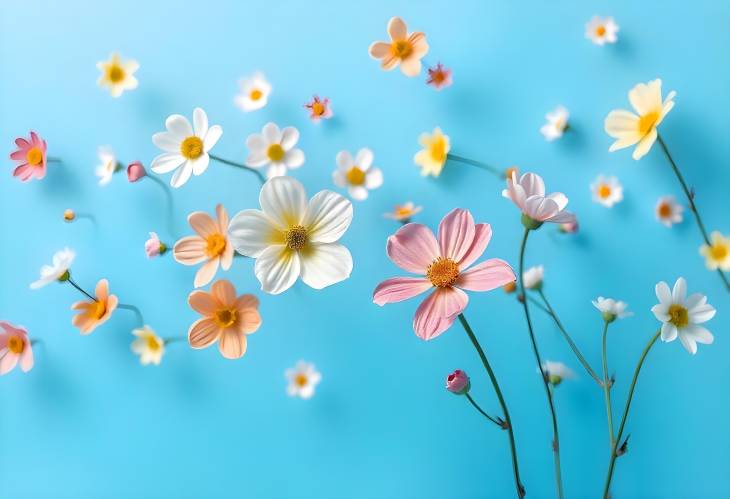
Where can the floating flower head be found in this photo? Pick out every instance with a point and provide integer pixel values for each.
(254, 93)
(611, 309)
(458, 382)
(403, 212)
(717, 254)
(69, 215)
(434, 154)
(290, 237)
(94, 313)
(439, 77)
(108, 165)
(682, 314)
(227, 318)
(154, 247)
(117, 75)
(30, 157)
(601, 30)
(640, 128)
(444, 265)
(274, 148)
(186, 147)
(357, 174)
(135, 171)
(148, 346)
(532, 278)
(303, 379)
(15, 348)
(557, 124)
(607, 191)
(668, 211)
(57, 271)
(569, 227)
(404, 49)
(528, 194)
(556, 372)
(319, 109)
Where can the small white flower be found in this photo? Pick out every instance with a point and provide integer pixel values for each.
(681, 315)
(668, 211)
(607, 191)
(532, 277)
(275, 148)
(254, 94)
(602, 30)
(117, 75)
(556, 372)
(148, 346)
(557, 123)
(528, 194)
(303, 378)
(108, 165)
(357, 174)
(57, 271)
(186, 147)
(611, 309)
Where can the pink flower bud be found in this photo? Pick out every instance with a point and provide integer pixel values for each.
(135, 171)
(154, 247)
(569, 227)
(458, 382)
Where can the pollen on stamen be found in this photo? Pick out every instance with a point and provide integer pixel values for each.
(443, 272)
(296, 237)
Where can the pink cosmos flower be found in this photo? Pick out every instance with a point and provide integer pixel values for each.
(439, 77)
(528, 193)
(14, 348)
(31, 158)
(444, 265)
(319, 109)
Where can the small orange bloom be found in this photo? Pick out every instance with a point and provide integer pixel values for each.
(95, 313)
(404, 49)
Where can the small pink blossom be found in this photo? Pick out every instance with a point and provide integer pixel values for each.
(15, 347)
(31, 158)
(569, 227)
(135, 171)
(154, 247)
(439, 77)
(528, 194)
(458, 382)
(320, 109)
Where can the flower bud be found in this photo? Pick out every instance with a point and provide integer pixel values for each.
(458, 382)
(568, 227)
(510, 287)
(154, 247)
(69, 215)
(135, 171)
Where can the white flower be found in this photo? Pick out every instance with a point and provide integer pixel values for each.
(57, 271)
(186, 147)
(108, 165)
(148, 346)
(528, 194)
(668, 211)
(607, 191)
(303, 378)
(532, 277)
(611, 309)
(557, 123)
(275, 148)
(117, 75)
(254, 94)
(291, 238)
(556, 372)
(601, 30)
(357, 174)
(681, 315)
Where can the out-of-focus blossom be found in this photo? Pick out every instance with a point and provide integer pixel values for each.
(57, 271)
(117, 74)
(607, 191)
(135, 171)
(532, 278)
(528, 194)
(458, 382)
(69, 215)
(15, 348)
(357, 174)
(303, 379)
(148, 346)
(30, 157)
(668, 211)
(274, 148)
(403, 212)
(108, 165)
(611, 309)
(404, 49)
(439, 77)
(510, 287)
(94, 313)
(602, 30)
(210, 245)
(556, 125)
(717, 254)
(433, 156)
(319, 109)
(569, 227)
(154, 247)
(254, 92)
(556, 372)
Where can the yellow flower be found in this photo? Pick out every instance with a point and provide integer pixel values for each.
(717, 254)
(117, 74)
(641, 128)
(434, 154)
(148, 346)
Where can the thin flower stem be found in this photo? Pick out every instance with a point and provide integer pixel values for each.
(173, 339)
(170, 204)
(240, 165)
(620, 433)
(73, 283)
(134, 309)
(548, 392)
(538, 305)
(607, 385)
(484, 166)
(691, 201)
(481, 411)
(52, 159)
(502, 403)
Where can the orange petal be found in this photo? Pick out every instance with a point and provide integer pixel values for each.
(378, 50)
(203, 333)
(206, 273)
(389, 62)
(222, 214)
(232, 344)
(102, 290)
(250, 320)
(247, 301)
(189, 250)
(224, 292)
(397, 29)
(202, 302)
(202, 223)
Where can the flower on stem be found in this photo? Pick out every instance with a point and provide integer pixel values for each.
(57, 271)
(30, 157)
(444, 265)
(556, 372)
(274, 148)
(108, 165)
(69, 215)
(15, 348)
(357, 174)
(681, 315)
(602, 30)
(717, 254)
(439, 77)
(611, 309)
(668, 211)
(154, 247)
(532, 277)
(148, 346)
(254, 92)
(319, 109)
(434, 154)
(403, 212)
(117, 75)
(94, 313)
(640, 128)
(458, 382)
(303, 379)
(528, 194)
(135, 171)
(404, 49)
(569, 227)
(607, 191)
(557, 124)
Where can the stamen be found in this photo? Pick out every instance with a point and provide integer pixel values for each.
(719, 251)
(226, 317)
(34, 156)
(191, 147)
(153, 344)
(678, 315)
(275, 152)
(215, 245)
(600, 31)
(255, 94)
(665, 211)
(301, 380)
(401, 48)
(604, 191)
(115, 73)
(437, 149)
(296, 237)
(647, 122)
(16, 344)
(355, 176)
(443, 272)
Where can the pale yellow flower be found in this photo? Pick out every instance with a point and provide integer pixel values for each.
(434, 154)
(148, 346)
(118, 75)
(717, 254)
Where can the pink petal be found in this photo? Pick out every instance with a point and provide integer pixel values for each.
(399, 289)
(482, 236)
(456, 234)
(26, 358)
(232, 344)
(413, 248)
(22, 143)
(532, 184)
(540, 208)
(18, 155)
(206, 272)
(8, 361)
(486, 276)
(190, 250)
(437, 312)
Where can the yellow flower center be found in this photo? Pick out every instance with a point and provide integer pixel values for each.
(16, 344)
(275, 152)
(301, 380)
(647, 122)
(438, 77)
(437, 150)
(225, 317)
(355, 176)
(296, 237)
(719, 251)
(255, 94)
(443, 272)
(665, 211)
(600, 31)
(318, 109)
(99, 310)
(214, 245)
(34, 156)
(191, 147)
(403, 212)
(678, 315)
(604, 191)
(153, 344)
(115, 73)
(401, 48)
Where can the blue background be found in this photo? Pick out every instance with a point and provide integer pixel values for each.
(89, 421)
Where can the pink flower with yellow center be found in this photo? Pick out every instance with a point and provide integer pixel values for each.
(439, 77)
(319, 109)
(404, 49)
(31, 158)
(94, 313)
(15, 348)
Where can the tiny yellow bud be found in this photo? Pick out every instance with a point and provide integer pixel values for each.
(69, 215)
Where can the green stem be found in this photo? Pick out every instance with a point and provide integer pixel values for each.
(481, 411)
(134, 309)
(484, 166)
(538, 305)
(239, 165)
(607, 388)
(73, 283)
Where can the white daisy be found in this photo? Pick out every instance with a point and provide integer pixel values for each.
(148, 346)
(556, 372)
(668, 211)
(254, 94)
(186, 147)
(611, 309)
(607, 191)
(303, 378)
(57, 271)
(275, 148)
(357, 174)
(117, 75)
(532, 277)
(602, 30)
(108, 165)
(557, 123)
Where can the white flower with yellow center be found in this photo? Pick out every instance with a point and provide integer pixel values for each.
(303, 379)
(611, 309)
(717, 254)
(557, 123)
(357, 174)
(602, 30)
(433, 156)
(682, 314)
(532, 277)
(186, 147)
(117, 75)
(57, 271)
(668, 211)
(607, 191)
(556, 372)
(108, 165)
(641, 128)
(254, 93)
(148, 346)
(403, 212)
(274, 148)
(290, 237)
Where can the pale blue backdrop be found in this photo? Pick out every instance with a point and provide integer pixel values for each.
(90, 422)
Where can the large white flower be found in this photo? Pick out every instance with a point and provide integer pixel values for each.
(254, 94)
(607, 191)
(357, 174)
(528, 193)
(57, 271)
(275, 148)
(186, 146)
(682, 314)
(557, 123)
(290, 237)
(611, 309)
(108, 165)
(303, 378)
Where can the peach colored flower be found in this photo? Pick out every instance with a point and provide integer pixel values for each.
(15, 347)
(95, 313)
(31, 158)
(226, 318)
(211, 245)
(319, 109)
(404, 49)
(439, 77)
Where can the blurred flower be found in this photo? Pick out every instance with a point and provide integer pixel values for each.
(186, 148)
(358, 174)
(211, 245)
(69, 215)
(404, 49)
(717, 254)
(254, 94)
(681, 315)
(439, 77)
(528, 194)
(227, 319)
(556, 372)
(557, 123)
(31, 157)
(319, 109)
(57, 271)
(117, 75)
(668, 211)
(629, 128)
(403, 212)
(510, 287)
(532, 278)
(108, 165)
(148, 346)
(303, 379)
(444, 265)
(15, 347)
(154, 247)
(135, 171)
(94, 313)
(434, 154)
(275, 148)
(569, 227)
(607, 191)
(458, 382)
(294, 238)
(611, 309)
(601, 30)
(510, 170)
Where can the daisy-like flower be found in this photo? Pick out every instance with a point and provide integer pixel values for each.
(443, 265)
(357, 174)
(434, 154)
(682, 314)
(117, 75)
(439, 77)
(602, 30)
(532, 277)
(94, 313)
(717, 254)
(319, 109)
(57, 271)
(31, 157)
(640, 128)
(303, 379)
(528, 194)
(15, 348)
(274, 148)
(154, 247)
(108, 165)
(254, 93)
(611, 309)
(607, 191)
(404, 49)
(148, 346)
(227, 319)
(668, 211)
(186, 147)
(403, 212)
(211, 245)
(556, 125)
(556, 372)
(290, 237)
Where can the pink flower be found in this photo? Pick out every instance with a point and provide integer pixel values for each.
(135, 171)
(154, 247)
(528, 193)
(439, 77)
(444, 265)
(320, 109)
(31, 158)
(569, 227)
(14, 347)
(458, 382)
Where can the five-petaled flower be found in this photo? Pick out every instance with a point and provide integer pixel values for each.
(668, 211)
(254, 93)
(274, 148)
(607, 191)
(602, 30)
(403, 212)
(57, 271)
(148, 346)
(357, 174)
(556, 124)
(404, 49)
(94, 313)
(303, 379)
(31, 157)
(611, 309)
(15, 348)
(117, 74)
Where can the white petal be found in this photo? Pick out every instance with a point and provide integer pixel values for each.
(358, 192)
(289, 137)
(276, 170)
(660, 311)
(344, 160)
(256, 142)
(166, 162)
(181, 175)
(339, 178)
(373, 178)
(252, 231)
(679, 293)
(166, 141)
(200, 164)
(325, 264)
(702, 313)
(284, 200)
(688, 343)
(663, 293)
(327, 217)
(271, 133)
(294, 158)
(364, 158)
(277, 269)
(213, 135)
(699, 334)
(179, 126)
(669, 332)
(257, 160)
(200, 122)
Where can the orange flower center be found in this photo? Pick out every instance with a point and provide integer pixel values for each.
(255, 94)
(153, 344)
(678, 315)
(443, 272)
(438, 150)
(317, 108)
(355, 176)
(296, 237)
(16, 344)
(98, 310)
(647, 122)
(301, 380)
(600, 30)
(604, 191)
(115, 73)
(718, 251)
(34, 156)
(226, 317)
(191, 147)
(403, 212)
(438, 77)
(509, 171)
(215, 245)
(401, 48)
(665, 210)
(275, 152)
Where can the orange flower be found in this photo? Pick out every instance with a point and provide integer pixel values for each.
(226, 318)
(404, 49)
(95, 313)
(210, 245)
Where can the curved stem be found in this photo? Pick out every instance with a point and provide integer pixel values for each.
(240, 165)
(73, 283)
(607, 385)
(134, 309)
(173, 339)
(537, 304)
(481, 411)
(484, 166)
(170, 205)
